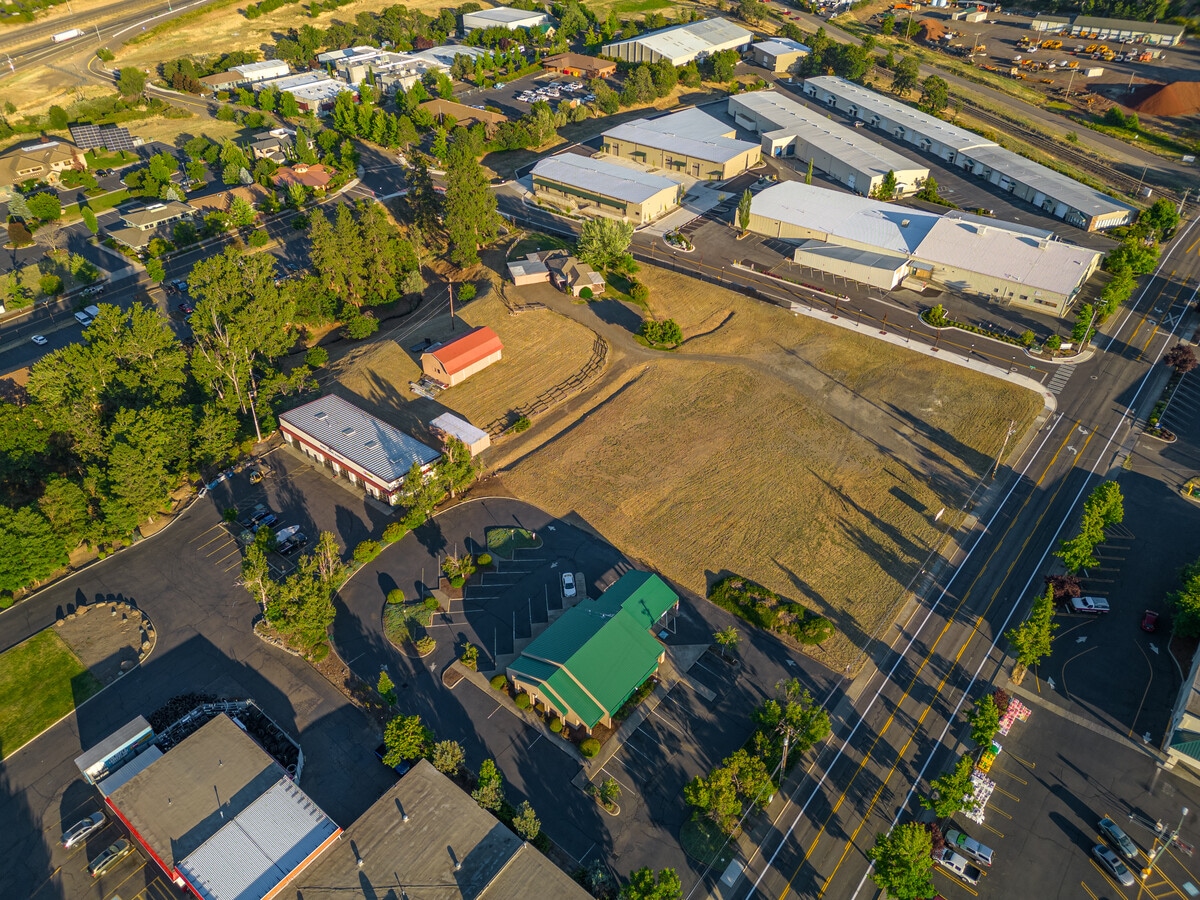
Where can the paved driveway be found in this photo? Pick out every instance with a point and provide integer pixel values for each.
(204, 645)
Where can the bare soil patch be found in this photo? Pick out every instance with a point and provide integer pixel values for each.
(107, 637)
(798, 455)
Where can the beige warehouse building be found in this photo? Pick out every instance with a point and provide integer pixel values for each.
(791, 130)
(779, 55)
(691, 143)
(969, 255)
(602, 188)
(680, 43)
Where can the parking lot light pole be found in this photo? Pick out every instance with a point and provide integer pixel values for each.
(1156, 852)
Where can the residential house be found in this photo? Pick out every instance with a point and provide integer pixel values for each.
(530, 270)
(38, 162)
(314, 176)
(454, 361)
(572, 276)
(141, 224)
(595, 655)
(464, 115)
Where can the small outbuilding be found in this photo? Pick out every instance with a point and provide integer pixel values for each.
(448, 425)
(453, 362)
(530, 270)
(779, 55)
(579, 65)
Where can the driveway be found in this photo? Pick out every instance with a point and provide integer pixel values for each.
(205, 645)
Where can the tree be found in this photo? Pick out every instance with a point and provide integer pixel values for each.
(45, 207)
(406, 738)
(743, 211)
(32, 548)
(985, 721)
(1032, 638)
(809, 173)
(1181, 358)
(1162, 218)
(639, 87)
(722, 65)
(752, 11)
(644, 884)
(471, 219)
(792, 726)
(526, 822)
(609, 792)
(1186, 602)
(489, 789)
(953, 791)
(386, 687)
(89, 219)
(603, 243)
(715, 798)
(905, 75)
(935, 94)
(131, 81)
(903, 862)
(886, 189)
(155, 270)
(448, 757)
(727, 639)
(241, 213)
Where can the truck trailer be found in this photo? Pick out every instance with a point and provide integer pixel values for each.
(66, 35)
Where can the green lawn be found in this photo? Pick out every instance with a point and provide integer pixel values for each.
(505, 540)
(41, 681)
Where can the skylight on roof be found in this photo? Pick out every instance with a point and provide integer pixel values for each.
(321, 414)
(371, 444)
(348, 430)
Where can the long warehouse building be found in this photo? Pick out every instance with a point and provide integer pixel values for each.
(890, 246)
(1057, 194)
(680, 43)
(690, 142)
(792, 130)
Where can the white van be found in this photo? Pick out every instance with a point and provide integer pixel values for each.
(83, 319)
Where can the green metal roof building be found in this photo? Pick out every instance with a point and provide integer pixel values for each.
(591, 660)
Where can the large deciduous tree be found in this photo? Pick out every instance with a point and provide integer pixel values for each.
(903, 859)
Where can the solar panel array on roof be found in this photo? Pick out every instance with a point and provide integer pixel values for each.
(106, 137)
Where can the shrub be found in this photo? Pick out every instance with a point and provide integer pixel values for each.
(815, 630)
(395, 595)
(259, 238)
(483, 559)
(556, 725)
(366, 551)
(50, 285)
(499, 682)
(1027, 338)
(589, 748)
(230, 514)
(394, 532)
(425, 645)
(431, 604)
(638, 292)
(936, 316)
(395, 625)
(522, 424)
(1053, 342)
(466, 292)
(319, 652)
(586, 294)
(457, 581)
(470, 657)
(359, 326)
(522, 700)
(317, 357)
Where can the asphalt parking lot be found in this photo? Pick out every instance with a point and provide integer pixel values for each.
(684, 737)
(507, 97)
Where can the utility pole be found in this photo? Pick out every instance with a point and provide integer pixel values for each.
(1071, 81)
(1156, 852)
(1182, 200)
(451, 286)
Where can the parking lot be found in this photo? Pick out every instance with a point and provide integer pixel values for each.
(516, 97)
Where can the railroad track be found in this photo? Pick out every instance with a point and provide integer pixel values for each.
(1080, 159)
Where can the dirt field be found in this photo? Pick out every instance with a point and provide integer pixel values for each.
(541, 350)
(778, 448)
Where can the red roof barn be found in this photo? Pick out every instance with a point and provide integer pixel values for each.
(457, 360)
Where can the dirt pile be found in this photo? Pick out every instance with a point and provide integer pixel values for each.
(931, 32)
(1180, 98)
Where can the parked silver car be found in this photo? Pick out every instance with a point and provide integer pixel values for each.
(109, 857)
(1113, 865)
(1113, 832)
(81, 830)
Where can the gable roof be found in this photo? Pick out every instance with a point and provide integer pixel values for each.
(460, 353)
(600, 651)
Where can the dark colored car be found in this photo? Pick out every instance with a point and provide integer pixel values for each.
(400, 768)
(185, 308)
(1150, 620)
(265, 521)
(293, 544)
(252, 518)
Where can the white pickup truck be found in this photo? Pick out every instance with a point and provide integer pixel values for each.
(1089, 605)
(950, 860)
(969, 847)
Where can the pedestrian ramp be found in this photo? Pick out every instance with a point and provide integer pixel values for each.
(1060, 378)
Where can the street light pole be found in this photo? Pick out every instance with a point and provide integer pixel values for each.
(1156, 852)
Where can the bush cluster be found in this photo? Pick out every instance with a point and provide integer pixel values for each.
(764, 608)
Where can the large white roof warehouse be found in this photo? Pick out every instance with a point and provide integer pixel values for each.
(792, 130)
(680, 43)
(947, 253)
(1051, 191)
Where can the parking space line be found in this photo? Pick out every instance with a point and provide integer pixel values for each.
(1000, 790)
(1104, 874)
(134, 873)
(223, 536)
(494, 711)
(618, 780)
(669, 724)
(1181, 865)
(645, 756)
(1023, 762)
(219, 525)
(992, 830)
(1010, 775)
(1083, 885)
(997, 809)
(957, 883)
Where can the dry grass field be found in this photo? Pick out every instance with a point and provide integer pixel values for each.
(541, 349)
(778, 448)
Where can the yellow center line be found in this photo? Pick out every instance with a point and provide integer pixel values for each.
(1142, 320)
(952, 668)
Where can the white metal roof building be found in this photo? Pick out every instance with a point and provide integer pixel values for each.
(680, 43)
(608, 188)
(691, 142)
(988, 260)
(475, 439)
(503, 17)
(366, 450)
(261, 71)
(792, 130)
(268, 843)
(1050, 191)
(1099, 28)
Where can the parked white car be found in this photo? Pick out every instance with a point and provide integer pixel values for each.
(969, 847)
